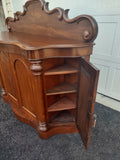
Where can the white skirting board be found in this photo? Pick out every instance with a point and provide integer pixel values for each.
(108, 102)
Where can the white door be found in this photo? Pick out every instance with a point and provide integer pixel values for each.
(106, 55)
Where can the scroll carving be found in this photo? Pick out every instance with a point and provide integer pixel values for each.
(18, 14)
(88, 34)
(59, 10)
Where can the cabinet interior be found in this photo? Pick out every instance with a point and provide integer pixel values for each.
(61, 83)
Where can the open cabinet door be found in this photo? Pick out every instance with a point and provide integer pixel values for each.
(88, 81)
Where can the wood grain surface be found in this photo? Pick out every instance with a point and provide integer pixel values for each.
(44, 71)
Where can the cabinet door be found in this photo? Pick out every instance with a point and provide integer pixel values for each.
(7, 76)
(88, 80)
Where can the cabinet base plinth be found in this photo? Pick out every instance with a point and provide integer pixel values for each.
(69, 128)
(32, 121)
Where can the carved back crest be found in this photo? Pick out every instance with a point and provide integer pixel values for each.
(37, 19)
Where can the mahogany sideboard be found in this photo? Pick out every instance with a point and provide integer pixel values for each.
(45, 73)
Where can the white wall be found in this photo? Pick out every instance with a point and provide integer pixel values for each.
(17, 5)
(7, 7)
(92, 7)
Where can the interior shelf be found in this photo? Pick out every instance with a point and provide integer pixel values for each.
(63, 69)
(62, 118)
(61, 82)
(62, 104)
(62, 88)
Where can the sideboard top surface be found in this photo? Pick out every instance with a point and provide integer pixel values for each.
(37, 27)
(32, 42)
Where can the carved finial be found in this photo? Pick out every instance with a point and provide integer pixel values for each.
(36, 67)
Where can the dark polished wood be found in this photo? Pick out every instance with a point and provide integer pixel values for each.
(84, 27)
(63, 69)
(44, 71)
(34, 42)
(63, 104)
(62, 88)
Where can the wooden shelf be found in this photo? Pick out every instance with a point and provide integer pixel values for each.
(63, 88)
(64, 69)
(62, 118)
(62, 104)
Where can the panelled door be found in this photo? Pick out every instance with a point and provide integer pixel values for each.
(88, 81)
(106, 55)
